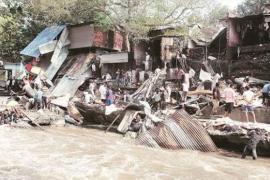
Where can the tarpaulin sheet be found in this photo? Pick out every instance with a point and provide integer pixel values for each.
(47, 35)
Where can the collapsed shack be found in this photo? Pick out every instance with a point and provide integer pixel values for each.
(63, 57)
(248, 45)
(207, 49)
(233, 135)
(68, 68)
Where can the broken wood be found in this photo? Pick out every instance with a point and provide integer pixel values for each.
(117, 117)
(112, 123)
(32, 120)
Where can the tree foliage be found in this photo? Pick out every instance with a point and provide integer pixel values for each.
(21, 20)
(139, 16)
(14, 33)
(249, 7)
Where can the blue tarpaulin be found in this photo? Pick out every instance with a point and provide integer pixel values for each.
(47, 35)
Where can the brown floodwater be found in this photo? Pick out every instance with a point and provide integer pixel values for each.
(77, 153)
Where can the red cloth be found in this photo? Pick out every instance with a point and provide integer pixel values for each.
(28, 67)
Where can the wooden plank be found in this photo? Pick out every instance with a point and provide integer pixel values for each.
(126, 121)
(59, 46)
(31, 119)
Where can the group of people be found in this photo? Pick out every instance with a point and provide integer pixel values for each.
(161, 96)
(102, 92)
(38, 93)
(248, 97)
(230, 98)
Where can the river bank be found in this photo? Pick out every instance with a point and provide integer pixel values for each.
(77, 153)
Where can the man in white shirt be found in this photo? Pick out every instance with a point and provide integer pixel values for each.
(146, 62)
(103, 92)
(108, 77)
(92, 87)
(185, 86)
(87, 97)
(94, 69)
(248, 97)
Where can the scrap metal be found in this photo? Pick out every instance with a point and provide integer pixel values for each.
(178, 131)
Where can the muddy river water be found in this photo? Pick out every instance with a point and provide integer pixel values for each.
(76, 153)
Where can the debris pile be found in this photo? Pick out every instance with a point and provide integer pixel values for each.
(178, 131)
(230, 134)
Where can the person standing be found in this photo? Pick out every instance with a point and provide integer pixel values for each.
(230, 97)
(129, 77)
(265, 93)
(216, 98)
(168, 92)
(10, 83)
(87, 97)
(248, 96)
(92, 88)
(147, 61)
(94, 70)
(109, 96)
(103, 92)
(38, 98)
(117, 77)
(185, 86)
(244, 84)
(108, 77)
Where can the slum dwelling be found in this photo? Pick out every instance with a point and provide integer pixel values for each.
(249, 45)
(207, 48)
(63, 55)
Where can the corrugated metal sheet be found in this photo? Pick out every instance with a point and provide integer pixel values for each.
(178, 131)
(59, 56)
(54, 67)
(47, 35)
(114, 58)
(74, 77)
(81, 37)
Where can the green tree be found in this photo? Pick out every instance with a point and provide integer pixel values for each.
(216, 14)
(137, 17)
(249, 7)
(21, 20)
(13, 31)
